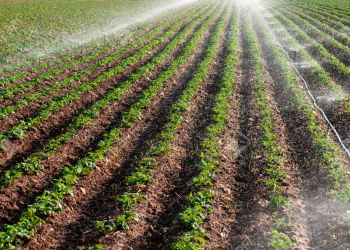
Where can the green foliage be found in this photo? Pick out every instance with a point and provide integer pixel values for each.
(50, 202)
(278, 201)
(325, 147)
(197, 207)
(128, 200)
(87, 115)
(146, 165)
(192, 240)
(280, 241)
(98, 247)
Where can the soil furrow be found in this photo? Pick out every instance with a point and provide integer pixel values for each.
(28, 111)
(70, 152)
(95, 185)
(177, 168)
(252, 222)
(312, 202)
(125, 33)
(221, 220)
(59, 120)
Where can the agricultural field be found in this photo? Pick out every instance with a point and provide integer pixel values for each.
(179, 125)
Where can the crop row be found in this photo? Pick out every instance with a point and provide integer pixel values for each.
(60, 101)
(325, 147)
(94, 46)
(272, 153)
(198, 203)
(147, 164)
(21, 88)
(331, 59)
(32, 164)
(51, 201)
(32, 60)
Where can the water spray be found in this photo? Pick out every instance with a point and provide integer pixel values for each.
(309, 93)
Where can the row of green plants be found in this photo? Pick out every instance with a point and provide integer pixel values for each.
(324, 17)
(148, 163)
(324, 12)
(22, 88)
(318, 71)
(22, 48)
(19, 75)
(331, 59)
(51, 201)
(342, 37)
(18, 131)
(51, 39)
(198, 204)
(325, 146)
(32, 60)
(271, 152)
(319, 34)
(32, 163)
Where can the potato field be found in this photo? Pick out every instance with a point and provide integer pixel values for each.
(204, 124)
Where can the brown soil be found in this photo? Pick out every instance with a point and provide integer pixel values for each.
(340, 79)
(89, 135)
(340, 54)
(313, 206)
(31, 76)
(137, 143)
(240, 218)
(59, 120)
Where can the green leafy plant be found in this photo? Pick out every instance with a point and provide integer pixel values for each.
(280, 241)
